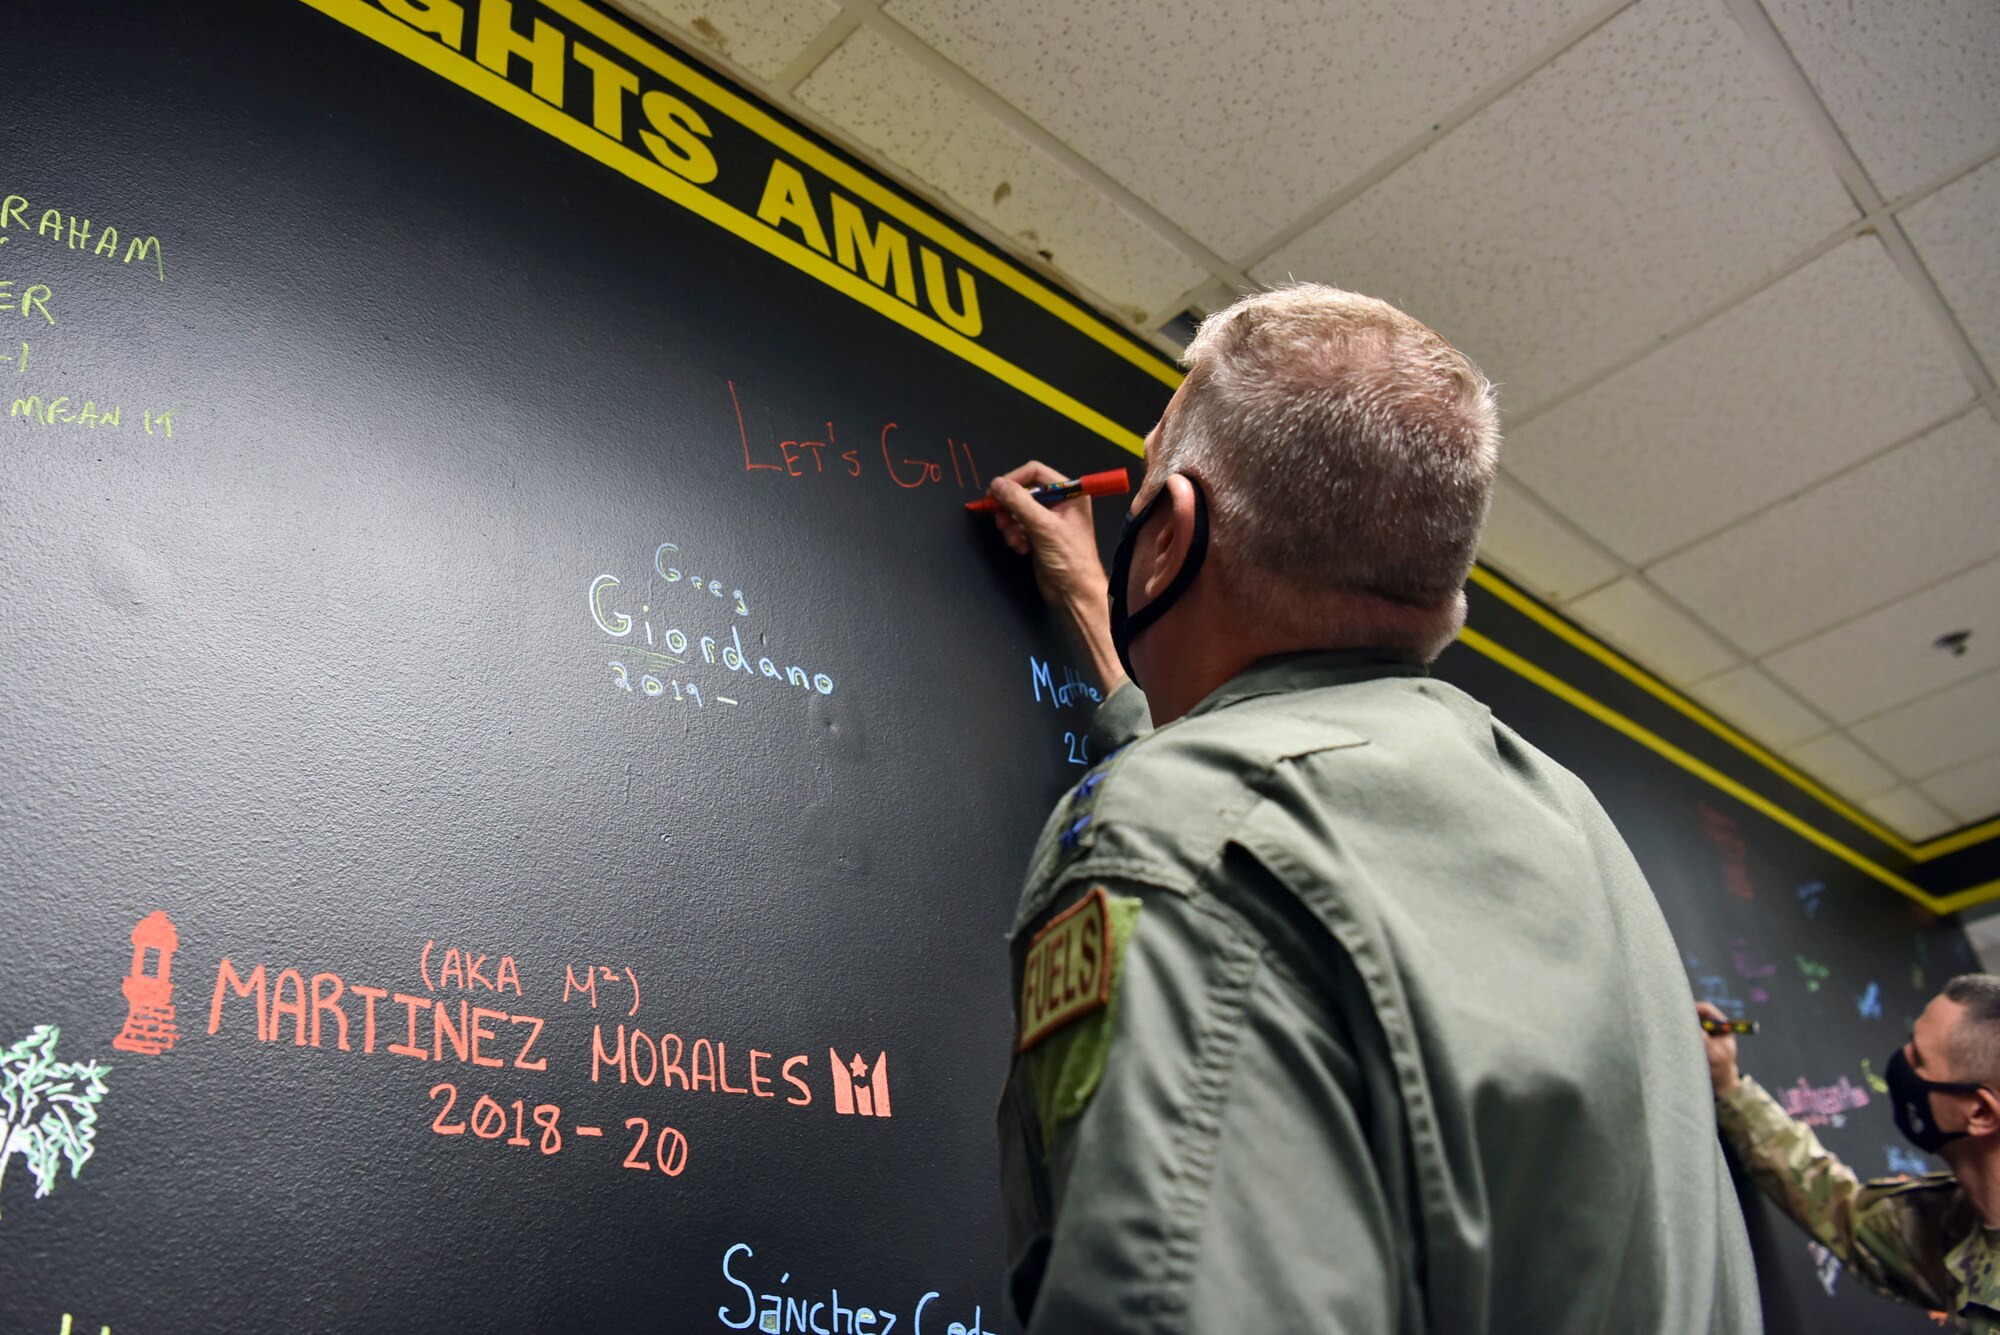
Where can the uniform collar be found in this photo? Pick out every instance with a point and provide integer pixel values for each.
(1305, 671)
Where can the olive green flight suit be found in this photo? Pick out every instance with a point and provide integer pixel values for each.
(1917, 1239)
(1397, 1039)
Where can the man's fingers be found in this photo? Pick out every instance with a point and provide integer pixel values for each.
(1029, 515)
(1010, 528)
(1033, 473)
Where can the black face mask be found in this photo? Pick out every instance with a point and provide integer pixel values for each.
(1126, 627)
(1910, 1094)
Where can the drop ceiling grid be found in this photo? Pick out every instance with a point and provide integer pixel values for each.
(1953, 230)
(1748, 697)
(1625, 188)
(1917, 95)
(924, 124)
(1266, 105)
(1945, 263)
(1969, 790)
(1916, 513)
(1863, 667)
(1909, 811)
(1764, 401)
(1938, 732)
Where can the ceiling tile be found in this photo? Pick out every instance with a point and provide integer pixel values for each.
(1913, 84)
(1877, 662)
(1983, 935)
(1953, 232)
(1536, 550)
(1759, 706)
(1938, 732)
(1645, 175)
(894, 105)
(1970, 792)
(1897, 523)
(1909, 813)
(1763, 400)
(1236, 119)
(1663, 639)
(761, 36)
(1841, 765)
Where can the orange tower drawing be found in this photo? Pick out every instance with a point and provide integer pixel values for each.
(149, 1018)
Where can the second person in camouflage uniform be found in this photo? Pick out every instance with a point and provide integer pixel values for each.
(1932, 1240)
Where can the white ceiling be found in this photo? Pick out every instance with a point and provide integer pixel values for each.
(1735, 265)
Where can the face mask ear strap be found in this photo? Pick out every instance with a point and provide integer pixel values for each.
(1197, 553)
(1953, 1086)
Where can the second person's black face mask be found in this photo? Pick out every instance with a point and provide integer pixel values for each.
(1125, 627)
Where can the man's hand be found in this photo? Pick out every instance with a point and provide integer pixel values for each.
(1062, 540)
(1722, 1071)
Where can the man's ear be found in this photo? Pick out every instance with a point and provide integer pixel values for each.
(1168, 543)
(1984, 1119)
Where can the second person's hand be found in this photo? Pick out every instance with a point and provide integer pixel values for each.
(1721, 1048)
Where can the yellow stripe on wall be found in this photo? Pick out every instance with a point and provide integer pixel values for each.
(1556, 625)
(1660, 746)
(484, 83)
(776, 133)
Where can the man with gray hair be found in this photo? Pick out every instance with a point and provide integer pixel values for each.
(1932, 1240)
(1339, 1007)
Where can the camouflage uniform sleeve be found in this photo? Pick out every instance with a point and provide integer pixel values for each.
(1120, 719)
(1882, 1231)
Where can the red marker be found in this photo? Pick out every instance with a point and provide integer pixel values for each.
(1115, 482)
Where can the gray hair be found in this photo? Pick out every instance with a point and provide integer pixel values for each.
(1974, 1042)
(1347, 449)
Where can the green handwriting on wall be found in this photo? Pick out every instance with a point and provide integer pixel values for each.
(75, 232)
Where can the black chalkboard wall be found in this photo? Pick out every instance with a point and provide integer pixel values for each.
(516, 763)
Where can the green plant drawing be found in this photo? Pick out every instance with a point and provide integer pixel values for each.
(48, 1108)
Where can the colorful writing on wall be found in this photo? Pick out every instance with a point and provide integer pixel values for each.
(1905, 1161)
(1714, 988)
(1070, 692)
(1722, 832)
(681, 652)
(471, 1012)
(772, 1305)
(1752, 967)
(74, 232)
(909, 465)
(1870, 1002)
(33, 298)
(1824, 1105)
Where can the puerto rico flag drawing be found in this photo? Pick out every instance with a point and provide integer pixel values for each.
(850, 1095)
